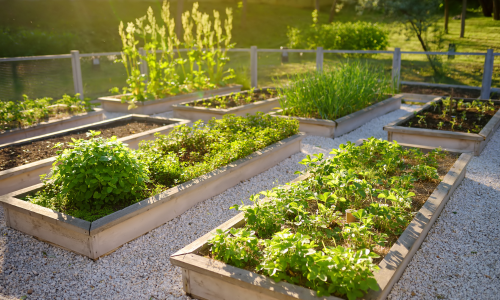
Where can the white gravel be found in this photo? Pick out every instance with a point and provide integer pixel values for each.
(141, 269)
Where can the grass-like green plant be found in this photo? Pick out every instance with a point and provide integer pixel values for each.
(335, 93)
(96, 177)
(299, 234)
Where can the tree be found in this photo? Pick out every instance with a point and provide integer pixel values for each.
(487, 6)
(496, 9)
(333, 10)
(418, 16)
(446, 14)
(462, 25)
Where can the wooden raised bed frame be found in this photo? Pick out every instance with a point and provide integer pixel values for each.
(205, 278)
(203, 113)
(114, 103)
(338, 127)
(13, 135)
(452, 141)
(103, 236)
(29, 174)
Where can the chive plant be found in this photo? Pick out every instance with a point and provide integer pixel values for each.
(333, 94)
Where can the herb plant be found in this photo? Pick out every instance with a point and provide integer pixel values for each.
(333, 94)
(96, 177)
(299, 233)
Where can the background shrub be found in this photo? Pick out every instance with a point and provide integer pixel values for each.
(344, 36)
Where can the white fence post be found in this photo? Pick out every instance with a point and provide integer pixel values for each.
(487, 75)
(253, 66)
(319, 59)
(144, 65)
(396, 68)
(77, 72)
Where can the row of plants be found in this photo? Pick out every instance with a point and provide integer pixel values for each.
(235, 99)
(32, 111)
(337, 35)
(332, 94)
(455, 115)
(95, 177)
(299, 233)
(171, 72)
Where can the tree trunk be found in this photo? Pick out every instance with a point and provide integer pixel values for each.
(487, 6)
(317, 5)
(243, 20)
(332, 11)
(446, 15)
(464, 10)
(178, 17)
(496, 10)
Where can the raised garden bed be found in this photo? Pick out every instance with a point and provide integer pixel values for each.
(22, 162)
(456, 129)
(115, 104)
(98, 238)
(208, 278)
(53, 125)
(338, 127)
(239, 104)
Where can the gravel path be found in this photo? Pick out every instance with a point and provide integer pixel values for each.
(141, 268)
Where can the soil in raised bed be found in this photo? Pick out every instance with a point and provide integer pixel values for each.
(11, 157)
(234, 99)
(474, 120)
(447, 92)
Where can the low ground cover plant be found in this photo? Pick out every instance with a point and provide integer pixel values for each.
(455, 115)
(235, 99)
(335, 93)
(300, 234)
(32, 111)
(170, 72)
(337, 35)
(95, 177)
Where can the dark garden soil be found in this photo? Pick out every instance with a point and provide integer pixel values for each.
(473, 122)
(448, 92)
(234, 99)
(11, 157)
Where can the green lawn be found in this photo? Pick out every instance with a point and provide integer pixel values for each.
(95, 24)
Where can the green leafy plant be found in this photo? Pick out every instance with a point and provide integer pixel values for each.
(238, 247)
(98, 172)
(301, 233)
(28, 112)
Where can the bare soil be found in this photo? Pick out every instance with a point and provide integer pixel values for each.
(15, 156)
(234, 99)
(473, 122)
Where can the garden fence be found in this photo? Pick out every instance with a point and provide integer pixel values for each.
(11, 76)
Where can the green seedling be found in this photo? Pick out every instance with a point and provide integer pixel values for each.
(440, 125)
